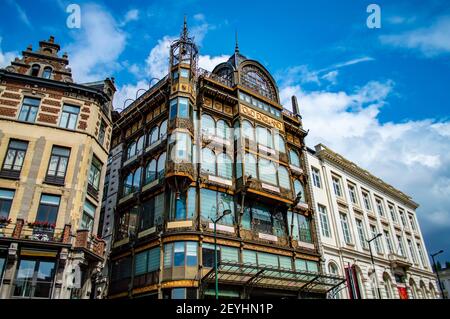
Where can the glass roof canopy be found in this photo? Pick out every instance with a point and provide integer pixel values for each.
(235, 273)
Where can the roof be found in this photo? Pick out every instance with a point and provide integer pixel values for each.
(323, 152)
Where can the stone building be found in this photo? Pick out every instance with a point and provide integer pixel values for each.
(353, 207)
(54, 142)
(203, 151)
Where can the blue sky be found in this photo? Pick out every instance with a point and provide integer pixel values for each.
(377, 96)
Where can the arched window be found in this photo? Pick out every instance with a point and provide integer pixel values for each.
(153, 135)
(264, 136)
(150, 171)
(132, 182)
(47, 72)
(298, 188)
(208, 161)
(140, 144)
(388, 286)
(250, 165)
(283, 177)
(224, 166)
(267, 172)
(223, 130)
(279, 143)
(294, 159)
(35, 70)
(131, 150)
(163, 129)
(248, 131)
(333, 270)
(208, 125)
(161, 167)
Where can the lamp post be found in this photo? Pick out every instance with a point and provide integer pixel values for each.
(437, 272)
(373, 263)
(224, 213)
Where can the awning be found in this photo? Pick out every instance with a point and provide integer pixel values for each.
(250, 275)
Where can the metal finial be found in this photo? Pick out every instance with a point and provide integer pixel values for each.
(184, 33)
(236, 48)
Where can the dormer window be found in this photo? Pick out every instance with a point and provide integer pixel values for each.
(35, 70)
(47, 72)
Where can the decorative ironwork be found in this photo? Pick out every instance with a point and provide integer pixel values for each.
(222, 79)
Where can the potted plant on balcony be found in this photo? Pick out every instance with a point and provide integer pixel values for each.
(4, 221)
(42, 225)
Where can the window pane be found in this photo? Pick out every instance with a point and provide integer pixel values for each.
(224, 166)
(208, 161)
(178, 254)
(168, 251)
(208, 125)
(183, 107)
(283, 177)
(153, 259)
(140, 264)
(248, 131)
(250, 165)
(191, 253)
(295, 160)
(191, 203)
(267, 172)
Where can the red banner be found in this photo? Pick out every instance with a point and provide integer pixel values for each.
(402, 292)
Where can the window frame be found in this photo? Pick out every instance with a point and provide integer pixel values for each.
(69, 117)
(30, 106)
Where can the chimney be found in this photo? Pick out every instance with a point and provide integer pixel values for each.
(294, 105)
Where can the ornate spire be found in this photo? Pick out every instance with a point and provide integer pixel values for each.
(184, 33)
(236, 48)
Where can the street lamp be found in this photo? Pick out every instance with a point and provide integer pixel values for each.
(224, 213)
(437, 272)
(373, 263)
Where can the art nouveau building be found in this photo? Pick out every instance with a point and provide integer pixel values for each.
(54, 142)
(198, 146)
(352, 207)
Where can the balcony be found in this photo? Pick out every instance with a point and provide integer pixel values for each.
(95, 247)
(214, 77)
(398, 260)
(34, 233)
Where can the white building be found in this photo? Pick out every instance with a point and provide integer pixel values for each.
(352, 207)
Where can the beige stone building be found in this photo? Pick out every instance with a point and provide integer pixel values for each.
(54, 142)
(369, 232)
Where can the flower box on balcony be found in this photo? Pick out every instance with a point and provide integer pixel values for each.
(42, 225)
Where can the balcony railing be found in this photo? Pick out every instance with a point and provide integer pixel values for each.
(85, 240)
(20, 230)
(209, 75)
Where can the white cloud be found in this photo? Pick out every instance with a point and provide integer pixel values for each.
(430, 41)
(413, 156)
(208, 62)
(97, 46)
(128, 91)
(331, 76)
(6, 57)
(131, 15)
(22, 14)
(158, 60)
(303, 74)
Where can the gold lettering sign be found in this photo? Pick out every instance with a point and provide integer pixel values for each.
(262, 117)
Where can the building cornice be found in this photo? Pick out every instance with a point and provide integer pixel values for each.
(324, 153)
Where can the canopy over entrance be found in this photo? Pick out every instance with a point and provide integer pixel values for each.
(250, 275)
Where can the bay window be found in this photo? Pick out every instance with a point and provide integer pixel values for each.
(87, 220)
(180, 147)
(179, 107)
(127, 223)
(181, 254)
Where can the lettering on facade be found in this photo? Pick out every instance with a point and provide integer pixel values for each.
(262, 117)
